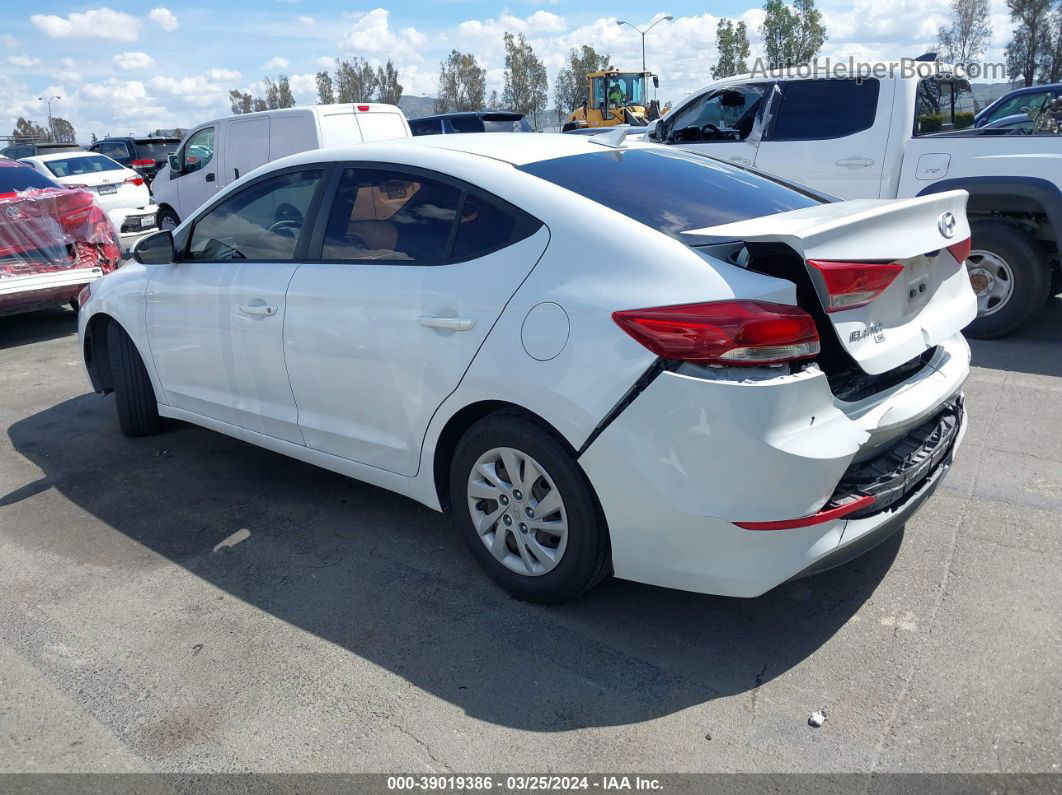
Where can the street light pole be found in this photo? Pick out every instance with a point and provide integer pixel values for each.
(51, 127)
(621, 23)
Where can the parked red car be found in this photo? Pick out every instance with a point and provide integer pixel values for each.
(53, 241)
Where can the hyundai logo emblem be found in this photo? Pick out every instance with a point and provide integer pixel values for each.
(946, 224)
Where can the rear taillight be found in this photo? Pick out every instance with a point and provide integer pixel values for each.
(960, 250)
(852, 284)
(147, 162)
(724, 332)
(135, 181)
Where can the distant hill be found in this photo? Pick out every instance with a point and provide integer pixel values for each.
(414, 107)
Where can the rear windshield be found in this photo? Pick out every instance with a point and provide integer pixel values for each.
(16, 178)
(86, 164)
(506, 125)
(155, 150)
(670, 190)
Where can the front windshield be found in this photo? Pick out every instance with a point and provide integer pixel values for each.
(623, 89)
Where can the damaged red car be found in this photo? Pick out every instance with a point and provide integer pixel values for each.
(53, 241)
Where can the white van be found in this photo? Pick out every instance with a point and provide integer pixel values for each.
(216, 153)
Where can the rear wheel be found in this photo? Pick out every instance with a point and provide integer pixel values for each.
(1009, 277)
(527, 510)
(134, 397)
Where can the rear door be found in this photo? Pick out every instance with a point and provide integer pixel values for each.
(413, 270)
(923, 242)
(822, 133)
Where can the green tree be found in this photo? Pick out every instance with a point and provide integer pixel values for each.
(63, 131)
(526, 84)
(325, 91)
(462, 83)
(355, 81)
(732, 42)
(285, 99)
(969, 33)
(240, 102)
(493, 103)
(1029, 51)
(27, 130)
(791, 36)
(570, 87)
(388, 89)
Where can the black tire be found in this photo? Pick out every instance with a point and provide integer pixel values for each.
(587, 557)
(73, 304)
(134, 397)
(167, 215)
(1032, 278)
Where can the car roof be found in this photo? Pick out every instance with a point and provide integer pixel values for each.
(516, 148)
(474, 114)
(6, 162)
(44, 158)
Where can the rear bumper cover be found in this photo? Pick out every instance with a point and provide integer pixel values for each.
(690, 456)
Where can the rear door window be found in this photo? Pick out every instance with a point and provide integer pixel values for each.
(943, 105)
(812, 110)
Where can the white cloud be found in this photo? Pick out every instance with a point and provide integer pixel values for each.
(23, 61)
(164, 18)
(133, 61)
(276, 62)
(96, 23)
(222, 75)
(306, 22)
(371, 34)
(538, 22)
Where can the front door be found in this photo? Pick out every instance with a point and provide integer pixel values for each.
(722, 122)
(216, 318)
(197, 182)
(414, 270)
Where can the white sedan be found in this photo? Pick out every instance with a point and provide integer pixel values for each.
(601, 356)
(120, 191)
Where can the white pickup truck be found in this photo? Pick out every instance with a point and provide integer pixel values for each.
(897, 135)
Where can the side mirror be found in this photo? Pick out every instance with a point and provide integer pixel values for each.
(652, 130)
(175, 163)
(656, 81)
(156, 249)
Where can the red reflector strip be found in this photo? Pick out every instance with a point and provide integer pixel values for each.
(143, 162)
(816, 518)
(960, 250)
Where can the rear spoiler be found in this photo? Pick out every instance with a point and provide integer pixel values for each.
(861, 229)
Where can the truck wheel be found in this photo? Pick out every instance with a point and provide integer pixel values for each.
(1009, 276)
(134, 397)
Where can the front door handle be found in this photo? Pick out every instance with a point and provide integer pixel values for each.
(258, 310)
(210, 177)
(855, 162)
(448, 323)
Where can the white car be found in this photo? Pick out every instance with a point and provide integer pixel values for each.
(709, 381)
(120, 191)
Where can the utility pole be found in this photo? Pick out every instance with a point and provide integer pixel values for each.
(51, 127)
(621, 23)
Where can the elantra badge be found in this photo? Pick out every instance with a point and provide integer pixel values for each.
(946, 224)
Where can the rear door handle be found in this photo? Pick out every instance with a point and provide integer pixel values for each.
(449, 323)
(855, 162)
(258, 310)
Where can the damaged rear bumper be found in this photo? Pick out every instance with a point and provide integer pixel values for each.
(691, 456)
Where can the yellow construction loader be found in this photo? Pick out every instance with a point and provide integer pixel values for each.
(615, 97)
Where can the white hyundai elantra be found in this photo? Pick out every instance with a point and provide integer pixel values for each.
(601, 356)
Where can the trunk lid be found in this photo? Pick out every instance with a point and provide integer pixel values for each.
(928, 301)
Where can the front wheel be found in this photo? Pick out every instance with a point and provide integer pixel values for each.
(1009, 277)
(527, 511)
(134, 397)
(168, 220)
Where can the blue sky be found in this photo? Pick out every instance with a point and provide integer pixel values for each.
(133, 66)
